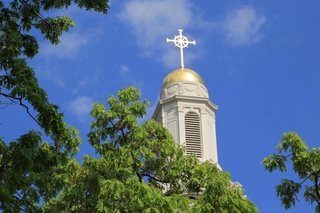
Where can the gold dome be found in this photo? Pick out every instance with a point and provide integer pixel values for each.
(182, 74)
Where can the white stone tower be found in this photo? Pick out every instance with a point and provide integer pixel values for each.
(186, 110)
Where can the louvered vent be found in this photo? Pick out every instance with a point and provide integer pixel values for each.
(193, 134)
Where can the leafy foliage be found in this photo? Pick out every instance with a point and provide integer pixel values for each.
(29, 167)
(141, 169)
(306, 164)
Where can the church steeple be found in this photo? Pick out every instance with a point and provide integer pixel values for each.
(186, 110)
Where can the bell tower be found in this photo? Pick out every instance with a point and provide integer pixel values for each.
(186, 110)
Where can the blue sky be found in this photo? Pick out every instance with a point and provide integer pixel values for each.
(260, 61)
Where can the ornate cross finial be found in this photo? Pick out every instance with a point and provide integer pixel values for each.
(181, 42)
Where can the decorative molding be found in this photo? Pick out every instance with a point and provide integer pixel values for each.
(187, 88)
(180, 108)
(199, 92)
(181, 91)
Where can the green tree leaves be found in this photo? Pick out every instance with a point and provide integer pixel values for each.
(305, 163)
(141, 169)
(52, 28)
(28, 169)
(32, 170)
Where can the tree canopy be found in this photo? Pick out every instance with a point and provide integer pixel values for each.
(305, 163)
(28, 163)
(140, 168)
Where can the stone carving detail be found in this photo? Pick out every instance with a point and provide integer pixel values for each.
(172, 89)
(181, 88)
(180, 108)
(191, 89)
(172, 114)
(203, 110)
(199, 93)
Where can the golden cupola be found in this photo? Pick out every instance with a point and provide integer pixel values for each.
(185, 82)
(182, 74)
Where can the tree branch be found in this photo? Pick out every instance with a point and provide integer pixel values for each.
(26, 209)
(290, 155)
(315, 199)
(316, 187)
(6, 105)
(24, 3)
(125, 139)
(12, 99)
(132, 155)
(154, 178)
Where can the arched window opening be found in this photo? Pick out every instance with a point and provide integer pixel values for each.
(193, 134)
